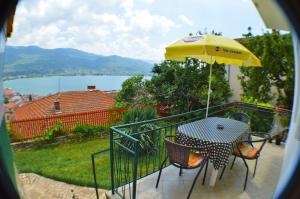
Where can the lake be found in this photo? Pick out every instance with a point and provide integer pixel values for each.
(48, 85)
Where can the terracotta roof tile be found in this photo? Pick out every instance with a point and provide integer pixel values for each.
(70, 102)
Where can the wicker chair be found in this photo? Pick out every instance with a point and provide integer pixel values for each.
(183, 157)
(242, 117)
(247, 151)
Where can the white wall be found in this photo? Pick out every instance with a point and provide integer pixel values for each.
(232, 74)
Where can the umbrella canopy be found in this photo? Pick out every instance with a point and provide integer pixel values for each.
(211, 49)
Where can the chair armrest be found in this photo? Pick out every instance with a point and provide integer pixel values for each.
(259, 140)
(263, 141)
(262, 145)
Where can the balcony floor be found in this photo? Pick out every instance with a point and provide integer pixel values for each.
(231, 186)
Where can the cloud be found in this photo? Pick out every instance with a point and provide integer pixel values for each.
(127, 5)
(148, 1)
(185, 20)
(111, 27)
(147, 22)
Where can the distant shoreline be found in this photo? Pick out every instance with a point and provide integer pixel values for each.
(67, 75)
(45, 85)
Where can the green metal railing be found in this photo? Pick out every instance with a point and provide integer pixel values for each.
(7, 171)
(137, 149)
(124, 161)
(93, 156)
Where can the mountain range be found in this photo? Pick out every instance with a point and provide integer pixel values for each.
(36, 61)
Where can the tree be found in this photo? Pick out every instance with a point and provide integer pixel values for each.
(184, 85)
(199, 32)
(6, 100)
(276, 54)
(134, 92)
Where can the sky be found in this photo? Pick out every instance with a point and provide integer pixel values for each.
(130, 28)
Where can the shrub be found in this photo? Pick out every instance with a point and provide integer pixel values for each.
(87, 130)
(16, 137)
(139, 114)
(252, 100)
(147, 140)
(119, 105)
(56, 130)
(48, 137)
(259, 121)
(6, 100)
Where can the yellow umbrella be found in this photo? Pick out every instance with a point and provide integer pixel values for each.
(211, 49)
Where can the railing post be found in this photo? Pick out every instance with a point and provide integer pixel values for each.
(135, 169)
(111, 137)
(94, 174)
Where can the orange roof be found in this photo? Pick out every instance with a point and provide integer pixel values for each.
(70, 102)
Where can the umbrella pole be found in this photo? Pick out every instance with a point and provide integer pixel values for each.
(209, 90)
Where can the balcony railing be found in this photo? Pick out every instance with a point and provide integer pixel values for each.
(137, 149)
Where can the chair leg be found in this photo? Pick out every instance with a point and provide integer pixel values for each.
(222, 172)
(180, 171)
(160, 169)
(255, 167)
(195, 179)
(245, 185)
(233, 162)
(205, 172)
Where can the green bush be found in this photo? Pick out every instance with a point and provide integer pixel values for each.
(87, 130)
(16, 137)
(57, 130)
(138, 114)
(6, 100)
(259, 121)
(252, 100)
(119, 105)
(148, 139)
(48, 137)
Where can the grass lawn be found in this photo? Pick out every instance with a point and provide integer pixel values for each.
(70, 162)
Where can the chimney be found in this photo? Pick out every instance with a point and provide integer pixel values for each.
(91, 87)
(30, 98)
(57, 106)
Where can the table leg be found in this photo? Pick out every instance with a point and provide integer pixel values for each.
(213, 177)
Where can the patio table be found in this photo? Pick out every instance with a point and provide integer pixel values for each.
(219, 143)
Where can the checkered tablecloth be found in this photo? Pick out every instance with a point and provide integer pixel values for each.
(218, 143)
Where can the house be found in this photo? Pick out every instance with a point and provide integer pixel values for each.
(9, 106)
(64, 103)
(8, 93)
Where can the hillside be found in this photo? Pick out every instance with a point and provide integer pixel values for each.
(33, 60)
